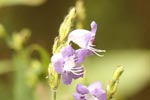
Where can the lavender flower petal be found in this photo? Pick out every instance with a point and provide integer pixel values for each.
(92, 92)
(82, 89)
(67, 51)
(97, 90)
(58, 61)
(66, 78)
(80, 37)
(99, 93)
(81, 54)
(67, 63)
(84, 38)
(93, 27)
(78, 96)
(95, 85)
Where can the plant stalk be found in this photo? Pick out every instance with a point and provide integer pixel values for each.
(53, 94)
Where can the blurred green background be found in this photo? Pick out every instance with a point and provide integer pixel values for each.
(123, 31)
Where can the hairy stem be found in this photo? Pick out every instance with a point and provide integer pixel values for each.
(53, 94)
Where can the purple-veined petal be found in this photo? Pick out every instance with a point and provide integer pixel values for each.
(58, 62)
(80, 37)
(93, 27)
(66, 77)
(67, 51)
(78, 96)
(82, 89)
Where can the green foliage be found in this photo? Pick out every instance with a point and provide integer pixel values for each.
(21, 90)
(44, 56)
(17, 40)
(28, 71)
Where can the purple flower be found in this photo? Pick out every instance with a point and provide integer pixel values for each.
(68, 63)
(94, 91)
(84, 38)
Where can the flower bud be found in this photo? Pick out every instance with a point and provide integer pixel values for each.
(112, 87)
(54, 77)
(118, 72)
(66, 25)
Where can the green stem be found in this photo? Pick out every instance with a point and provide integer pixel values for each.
(53, 94)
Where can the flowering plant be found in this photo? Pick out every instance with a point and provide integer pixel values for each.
(67, 62)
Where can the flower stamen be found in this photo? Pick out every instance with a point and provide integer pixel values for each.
(96, 50)
(77, 70)
(75, 73)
